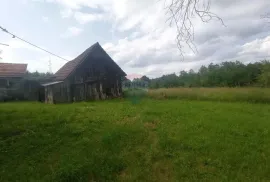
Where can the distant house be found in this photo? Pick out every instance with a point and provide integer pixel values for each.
(14, 85)
(11, 74)
(92, 75)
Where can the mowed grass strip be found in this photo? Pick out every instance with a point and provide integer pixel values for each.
(252, 94)
(152, 140)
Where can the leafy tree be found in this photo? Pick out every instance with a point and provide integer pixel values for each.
(38, 76)
(126, 82)
(145, 78)
(225, 74)
(264, 77)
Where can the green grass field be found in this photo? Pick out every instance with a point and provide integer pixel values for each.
(152, 140)
(253, 94)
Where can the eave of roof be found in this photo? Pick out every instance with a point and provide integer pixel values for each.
(51, 83)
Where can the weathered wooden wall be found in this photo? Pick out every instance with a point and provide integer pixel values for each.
(96, 90)
(21, 89)
(9, 82)
(92, 80)
(57, 93)
(49, 95)
(95, 80)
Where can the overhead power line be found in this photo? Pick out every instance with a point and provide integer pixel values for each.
(4, 44)
(15, 36)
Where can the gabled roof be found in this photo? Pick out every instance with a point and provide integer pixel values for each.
(70, 66)
(12, 69)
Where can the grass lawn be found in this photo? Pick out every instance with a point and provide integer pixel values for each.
(153, 140)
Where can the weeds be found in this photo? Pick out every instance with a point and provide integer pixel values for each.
(254, 95)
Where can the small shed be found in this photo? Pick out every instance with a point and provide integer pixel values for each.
(92, 75)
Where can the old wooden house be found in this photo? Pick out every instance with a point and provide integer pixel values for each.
(92, 75)
(11, 74)
(14, 85)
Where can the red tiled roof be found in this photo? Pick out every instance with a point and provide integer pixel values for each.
(12, 69)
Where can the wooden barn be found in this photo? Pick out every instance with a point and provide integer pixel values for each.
(92, 75)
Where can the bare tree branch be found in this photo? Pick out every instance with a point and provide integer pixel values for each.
(181, 13)
(266, 17)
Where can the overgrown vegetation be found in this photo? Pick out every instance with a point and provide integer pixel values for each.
(254, 95)
(151, 140)
(251, 95)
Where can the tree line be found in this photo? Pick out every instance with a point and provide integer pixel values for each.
(38, 76)
(225, 74)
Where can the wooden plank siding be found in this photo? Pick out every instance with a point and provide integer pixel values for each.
(93, 75)
(85, 91)
(57, 93)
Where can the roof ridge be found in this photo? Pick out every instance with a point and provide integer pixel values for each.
(66, 70)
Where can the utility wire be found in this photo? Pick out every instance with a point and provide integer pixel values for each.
(4, 44)
(14, 36)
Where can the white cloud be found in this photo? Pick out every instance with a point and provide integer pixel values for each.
(127, 14)
(77, 4)
(15, 53)
(45, 18)
(257, 46)
(257, 49)
(83, 18)
(66, 13)
(154, 48)
(72, 32)
(15, 44)
(42, 64)
(151, 44)
(135, 35)
(108, 45)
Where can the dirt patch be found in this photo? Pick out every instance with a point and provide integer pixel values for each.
(151, 125)
(128, 120)
(124, 176)
(163, 171)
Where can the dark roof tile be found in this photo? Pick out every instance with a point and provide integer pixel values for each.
(70, 66)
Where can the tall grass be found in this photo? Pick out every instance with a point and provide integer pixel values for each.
(255, 95)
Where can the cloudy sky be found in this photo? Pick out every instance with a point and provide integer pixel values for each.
(134, 33)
